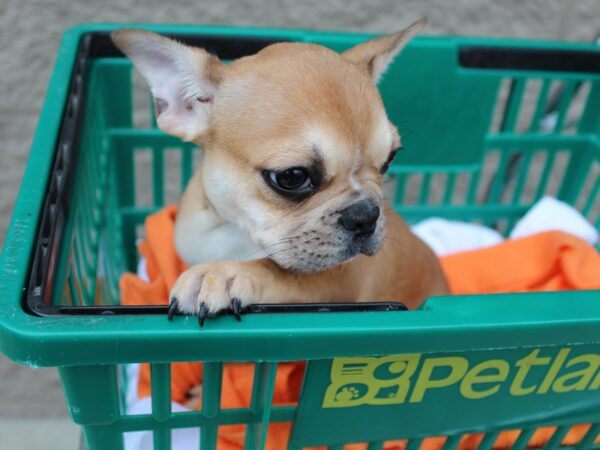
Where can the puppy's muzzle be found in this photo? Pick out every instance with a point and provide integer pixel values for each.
(360, 219)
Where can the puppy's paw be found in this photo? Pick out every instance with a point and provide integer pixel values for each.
(209, 289)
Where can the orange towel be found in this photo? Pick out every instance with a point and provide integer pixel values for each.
(546, 261)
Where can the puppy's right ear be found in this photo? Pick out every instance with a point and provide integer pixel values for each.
(184, 80)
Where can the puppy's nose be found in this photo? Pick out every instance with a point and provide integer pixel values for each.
(360, 218)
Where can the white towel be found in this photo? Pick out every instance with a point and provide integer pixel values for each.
(551, 214)
(448, 236)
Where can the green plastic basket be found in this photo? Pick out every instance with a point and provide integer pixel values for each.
(489, 127)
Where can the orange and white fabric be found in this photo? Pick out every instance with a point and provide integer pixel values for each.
(547, 261)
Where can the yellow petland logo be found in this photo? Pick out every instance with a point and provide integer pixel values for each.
(390, 380)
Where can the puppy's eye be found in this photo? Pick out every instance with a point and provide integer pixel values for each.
(388, 161)
(295, 183)
(292, 179)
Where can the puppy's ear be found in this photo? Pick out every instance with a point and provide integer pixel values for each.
(184, 80)
(375, 55)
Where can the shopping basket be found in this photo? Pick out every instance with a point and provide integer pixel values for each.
(489, 126)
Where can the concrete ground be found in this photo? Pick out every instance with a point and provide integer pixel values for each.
(38, 433)
(32, 409)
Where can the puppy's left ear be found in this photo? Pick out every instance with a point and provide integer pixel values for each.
(375, 55)
(184, 80)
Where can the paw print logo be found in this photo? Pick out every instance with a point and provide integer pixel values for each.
(381, 380)
(347, 393)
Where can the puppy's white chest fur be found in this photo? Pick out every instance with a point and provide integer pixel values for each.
(203, 237)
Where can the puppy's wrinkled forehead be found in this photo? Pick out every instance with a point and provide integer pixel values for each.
(302, 94)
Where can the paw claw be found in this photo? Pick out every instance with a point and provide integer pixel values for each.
(236, 307)
(208, 290)
(172, 309)
(202, 314)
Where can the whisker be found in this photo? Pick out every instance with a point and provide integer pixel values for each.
(252, 253)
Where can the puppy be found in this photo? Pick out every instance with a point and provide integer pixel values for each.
(287, 205)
